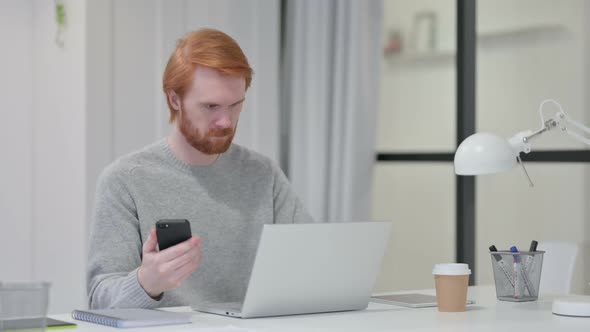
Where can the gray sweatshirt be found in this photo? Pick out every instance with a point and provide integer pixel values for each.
(226, 203)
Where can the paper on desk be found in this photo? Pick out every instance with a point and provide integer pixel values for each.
(229, 328)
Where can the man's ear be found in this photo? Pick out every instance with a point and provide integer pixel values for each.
(174, 100)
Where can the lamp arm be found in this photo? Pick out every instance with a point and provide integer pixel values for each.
(521, 141)
(565, 120)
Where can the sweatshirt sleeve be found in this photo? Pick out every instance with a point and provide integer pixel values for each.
(287, 206)
(115, 247)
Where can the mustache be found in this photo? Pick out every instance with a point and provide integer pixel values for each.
(220, 132)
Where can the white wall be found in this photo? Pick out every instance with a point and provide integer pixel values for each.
(16, 140)
(43, 178)
(59, 133)
(66, 113)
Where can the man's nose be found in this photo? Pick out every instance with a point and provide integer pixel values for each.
(223, 121)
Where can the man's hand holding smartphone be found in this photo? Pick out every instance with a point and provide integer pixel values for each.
(161, 271)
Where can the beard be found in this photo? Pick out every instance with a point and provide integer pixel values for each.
(214, 141)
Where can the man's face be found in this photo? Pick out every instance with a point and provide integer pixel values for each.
(211, 110)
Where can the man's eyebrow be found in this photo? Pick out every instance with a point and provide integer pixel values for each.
(205, 103)
(239, 101)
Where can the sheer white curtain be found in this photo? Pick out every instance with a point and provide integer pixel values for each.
(332, 56)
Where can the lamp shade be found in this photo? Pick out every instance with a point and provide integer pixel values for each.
(484, 153)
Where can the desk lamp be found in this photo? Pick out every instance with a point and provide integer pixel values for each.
(486, 153)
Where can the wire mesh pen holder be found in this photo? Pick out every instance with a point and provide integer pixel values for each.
(517, 275)
(20, 301)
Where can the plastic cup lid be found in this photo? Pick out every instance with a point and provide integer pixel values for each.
(453, 269)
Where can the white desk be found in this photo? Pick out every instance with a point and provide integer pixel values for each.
(487, 314)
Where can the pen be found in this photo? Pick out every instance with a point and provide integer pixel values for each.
(529, 259)
(501, 263)
(515, 272)
(518, 268)
(528, 269)
(533, 246)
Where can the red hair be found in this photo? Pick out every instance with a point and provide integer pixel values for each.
(208, 48)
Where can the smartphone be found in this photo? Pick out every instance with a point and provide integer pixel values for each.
(171, 232)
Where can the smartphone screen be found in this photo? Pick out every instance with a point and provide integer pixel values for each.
(171, 232)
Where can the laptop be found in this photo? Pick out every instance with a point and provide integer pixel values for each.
(311, 268)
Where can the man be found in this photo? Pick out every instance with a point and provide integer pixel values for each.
(226, 191)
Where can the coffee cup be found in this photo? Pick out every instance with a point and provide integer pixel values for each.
(451, 281)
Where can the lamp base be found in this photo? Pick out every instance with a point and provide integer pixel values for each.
(575, 306)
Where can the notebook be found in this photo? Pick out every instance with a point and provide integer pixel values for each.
(412, 300)
(30, 323)
(124, 318)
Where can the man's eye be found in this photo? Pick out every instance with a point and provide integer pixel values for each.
(212, 107)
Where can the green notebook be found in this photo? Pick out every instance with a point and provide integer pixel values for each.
(32, 324)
